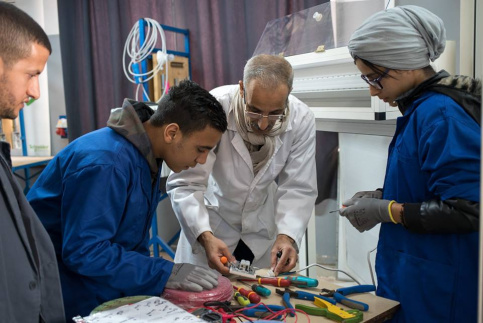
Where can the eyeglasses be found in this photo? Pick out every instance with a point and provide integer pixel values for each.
(377, 81)
(272, 118)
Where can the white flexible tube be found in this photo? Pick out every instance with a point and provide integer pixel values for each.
(137, 54)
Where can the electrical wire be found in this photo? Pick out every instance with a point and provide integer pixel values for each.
(370, 266)
(137, 54)
(330, 269)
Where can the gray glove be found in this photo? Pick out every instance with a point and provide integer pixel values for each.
(377, 194)
(193, 278)
(365, 213)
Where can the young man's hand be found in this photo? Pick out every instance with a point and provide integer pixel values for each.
(192, 278)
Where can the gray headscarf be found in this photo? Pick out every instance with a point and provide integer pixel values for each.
(403, 38)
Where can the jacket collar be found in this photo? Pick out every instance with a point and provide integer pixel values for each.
(406, 99)
(464, 90)
(128, 122)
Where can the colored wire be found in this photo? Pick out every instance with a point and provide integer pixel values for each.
(326, 268)
(370, 266)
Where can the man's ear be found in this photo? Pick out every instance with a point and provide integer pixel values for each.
(171, 132)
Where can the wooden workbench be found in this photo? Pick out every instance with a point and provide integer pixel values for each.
(380, 309)
(25, 163)
(21, 162)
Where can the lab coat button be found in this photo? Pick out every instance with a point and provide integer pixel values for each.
(32, 285)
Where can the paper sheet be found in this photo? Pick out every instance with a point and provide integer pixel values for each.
(154, 309)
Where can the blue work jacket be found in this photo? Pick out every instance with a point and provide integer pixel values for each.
(96, 199)
(435, 154)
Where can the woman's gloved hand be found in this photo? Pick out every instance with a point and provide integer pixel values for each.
(377, 194)
(365, 213)
(192, 278)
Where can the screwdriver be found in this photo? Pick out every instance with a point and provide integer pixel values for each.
(302, 281)
(242, 300)
(225, 261)
(259, 289)
(252, 296)
(280, 282)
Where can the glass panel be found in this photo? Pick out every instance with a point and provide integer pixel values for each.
(329, 25)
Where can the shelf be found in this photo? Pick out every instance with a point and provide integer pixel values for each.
(330, 84)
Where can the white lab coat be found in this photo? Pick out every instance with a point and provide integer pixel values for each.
(223, 195)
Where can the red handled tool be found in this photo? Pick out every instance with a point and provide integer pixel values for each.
(279, 282)
(252, 296)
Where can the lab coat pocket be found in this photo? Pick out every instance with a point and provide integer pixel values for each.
(266, 217)
(276, 167)
(213, 211)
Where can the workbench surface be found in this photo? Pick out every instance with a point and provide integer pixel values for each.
(19, 162)
(380, 309)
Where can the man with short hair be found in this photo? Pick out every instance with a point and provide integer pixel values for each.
(97, 197)
(256, 192)
(29, 279)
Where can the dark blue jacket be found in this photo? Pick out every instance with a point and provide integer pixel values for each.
(96, 199)
(435, 154)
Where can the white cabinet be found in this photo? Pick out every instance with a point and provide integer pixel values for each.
(331, 85)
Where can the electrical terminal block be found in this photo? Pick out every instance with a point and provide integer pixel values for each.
(243, 268)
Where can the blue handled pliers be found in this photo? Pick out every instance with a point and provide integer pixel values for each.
(298, 294)
(286, 299)
(340, 295)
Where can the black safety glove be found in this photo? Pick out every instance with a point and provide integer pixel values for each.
(365, 213)
(192, 278)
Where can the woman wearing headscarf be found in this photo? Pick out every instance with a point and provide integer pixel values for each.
(427, 255)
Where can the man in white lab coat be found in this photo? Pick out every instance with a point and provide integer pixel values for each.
(253, 197)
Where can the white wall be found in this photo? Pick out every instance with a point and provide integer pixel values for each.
(362, 162)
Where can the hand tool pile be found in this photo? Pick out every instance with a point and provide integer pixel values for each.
(325, 301)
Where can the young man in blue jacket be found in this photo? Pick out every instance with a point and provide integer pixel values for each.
(97, 197)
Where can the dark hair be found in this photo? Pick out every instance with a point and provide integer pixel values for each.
(17, 33)
(428, 70)
(191, 107)
(373, 67)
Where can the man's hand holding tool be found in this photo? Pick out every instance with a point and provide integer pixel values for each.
(215, 248)
(284, 254)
